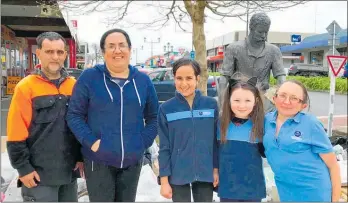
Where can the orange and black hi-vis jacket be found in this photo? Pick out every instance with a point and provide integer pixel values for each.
(38, 137)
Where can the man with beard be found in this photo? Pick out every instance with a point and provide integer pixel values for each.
(253, 57)
(40, 145)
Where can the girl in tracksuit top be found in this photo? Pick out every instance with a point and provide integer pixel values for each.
(241, 175)
(188, 145)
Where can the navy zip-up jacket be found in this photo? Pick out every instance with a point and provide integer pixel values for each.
(101, 109)
(188, 143)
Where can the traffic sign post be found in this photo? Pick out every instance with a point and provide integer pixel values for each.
(193, 55)
(335, 65)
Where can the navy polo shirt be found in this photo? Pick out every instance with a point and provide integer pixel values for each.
(300, 173)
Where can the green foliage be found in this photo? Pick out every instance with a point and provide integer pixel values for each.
(312, 83)
(214, 74)
(320, 83)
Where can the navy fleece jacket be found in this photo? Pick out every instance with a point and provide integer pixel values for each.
(100, 108)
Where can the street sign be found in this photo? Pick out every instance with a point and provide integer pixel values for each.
(295, 38)
(74, 23)
(336, 63)
(333, 28)
(12, 81)
(181, 50)
(192, 55)
(332, 41)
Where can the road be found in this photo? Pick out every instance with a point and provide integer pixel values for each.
(319, 106)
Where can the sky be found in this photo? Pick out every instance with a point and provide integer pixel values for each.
(312, 17)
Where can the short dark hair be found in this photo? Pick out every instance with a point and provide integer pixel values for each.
(50, 36)
(107, 33)
(186, 61)
(259, 18)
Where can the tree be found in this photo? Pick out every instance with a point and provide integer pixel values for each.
(194, 11)
(95, 55)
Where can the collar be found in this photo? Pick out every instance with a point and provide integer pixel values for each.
(63, 74)
(262, 54)
(182, 98)
(296, 118)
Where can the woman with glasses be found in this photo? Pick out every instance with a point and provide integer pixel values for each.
(113, 113)
(299, 150)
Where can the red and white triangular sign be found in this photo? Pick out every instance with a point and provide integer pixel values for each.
(336, 63)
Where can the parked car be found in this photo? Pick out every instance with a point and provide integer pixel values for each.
(74, 72)
(163, 80)
(345, 73)
(302, 69)
(145, 70)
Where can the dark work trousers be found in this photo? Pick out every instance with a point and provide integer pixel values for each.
(238, 200)
(201, 192)
(111, 184)
(42, 193)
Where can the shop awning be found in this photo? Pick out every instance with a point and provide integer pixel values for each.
(215, 58)
(315, 41)
(30, 18)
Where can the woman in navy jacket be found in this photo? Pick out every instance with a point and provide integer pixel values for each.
(187, 131)
(107, 110)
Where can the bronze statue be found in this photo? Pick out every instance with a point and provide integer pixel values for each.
(253, 56)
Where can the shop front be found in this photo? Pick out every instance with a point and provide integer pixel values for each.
(215, 62)
(14, 59)
(21, 23)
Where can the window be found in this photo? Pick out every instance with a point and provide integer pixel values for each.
(156, 76)
(168, 76)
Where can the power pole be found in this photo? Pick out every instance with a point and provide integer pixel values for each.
(152, 42)
(247, 21)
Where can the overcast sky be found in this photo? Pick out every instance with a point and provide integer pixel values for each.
(311, 17)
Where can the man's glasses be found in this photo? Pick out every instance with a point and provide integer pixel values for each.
(292, 99)
(113, 47)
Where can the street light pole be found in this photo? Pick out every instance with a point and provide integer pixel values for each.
(152, 42)
(247, 20)
(169, 49)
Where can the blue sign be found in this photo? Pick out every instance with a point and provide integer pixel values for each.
(295, 38)
(192, 54)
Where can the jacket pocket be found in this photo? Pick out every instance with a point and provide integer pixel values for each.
(27, 198)
(176, 158)
(45, 111)
(109, 148)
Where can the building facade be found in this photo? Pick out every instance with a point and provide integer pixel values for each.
(21, 22)
(315, 48)
(216, 47)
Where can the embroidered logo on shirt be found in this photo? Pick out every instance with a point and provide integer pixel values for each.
(206, 113)
(297, 136)
(297, 133)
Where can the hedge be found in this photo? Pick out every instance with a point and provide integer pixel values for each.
(312, 83)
